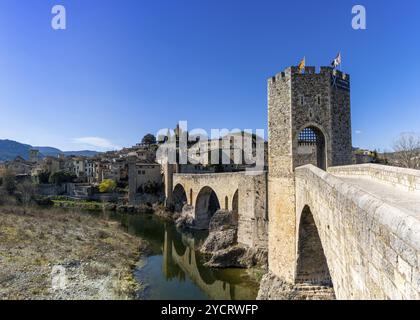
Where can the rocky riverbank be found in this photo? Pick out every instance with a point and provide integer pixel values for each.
(221, 246)
(60, 254)
(274, 288)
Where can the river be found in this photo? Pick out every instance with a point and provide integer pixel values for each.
(175, 270)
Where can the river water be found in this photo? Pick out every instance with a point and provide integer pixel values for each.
(175, 269)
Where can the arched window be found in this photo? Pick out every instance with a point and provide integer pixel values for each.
(191, 197)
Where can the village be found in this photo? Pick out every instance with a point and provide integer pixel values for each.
(132, 175)
(81, 176)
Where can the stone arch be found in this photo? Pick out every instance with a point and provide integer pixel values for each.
(312, 267)
(206, 205)
(235, 207)
(179, 197)
(311, 146)
(191, 196)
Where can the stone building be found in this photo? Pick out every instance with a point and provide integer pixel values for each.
(20, 166)
(142, 175)
(308, 123)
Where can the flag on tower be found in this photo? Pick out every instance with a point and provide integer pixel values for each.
(337, 61)
(301, 65)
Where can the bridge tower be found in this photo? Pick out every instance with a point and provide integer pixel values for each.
(308, 123)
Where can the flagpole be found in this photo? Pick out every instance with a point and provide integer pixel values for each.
(341, 62)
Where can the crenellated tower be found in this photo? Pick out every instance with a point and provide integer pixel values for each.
(309, 122)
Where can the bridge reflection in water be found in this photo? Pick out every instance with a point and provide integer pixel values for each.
(176, 270)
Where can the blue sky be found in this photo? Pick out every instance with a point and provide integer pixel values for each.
(124, 68)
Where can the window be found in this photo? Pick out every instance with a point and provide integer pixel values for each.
(307, 135)
(302, 100)
(318, 100)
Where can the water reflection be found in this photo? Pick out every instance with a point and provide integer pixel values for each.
(175, 270)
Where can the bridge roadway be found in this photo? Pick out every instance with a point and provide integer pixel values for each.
(396, 197)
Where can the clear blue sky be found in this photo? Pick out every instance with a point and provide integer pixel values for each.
(128, 67)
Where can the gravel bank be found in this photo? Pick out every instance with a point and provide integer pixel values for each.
(56, 254)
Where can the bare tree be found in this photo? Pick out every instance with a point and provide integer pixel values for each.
(407, 150)
(9, 181)
(27, 191)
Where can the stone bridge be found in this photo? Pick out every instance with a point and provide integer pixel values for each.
(354, 228)
(358, 229)
(242, 193)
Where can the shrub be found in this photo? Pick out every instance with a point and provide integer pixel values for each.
(107, 185)
(61, 177)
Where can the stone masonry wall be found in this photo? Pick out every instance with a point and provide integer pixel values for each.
(253, 219)
(372, 249)
(407, 179)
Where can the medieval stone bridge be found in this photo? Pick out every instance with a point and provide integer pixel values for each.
(242, 193)
(357, 228)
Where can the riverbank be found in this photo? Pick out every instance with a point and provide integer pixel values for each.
(97, 257)
(92, 206)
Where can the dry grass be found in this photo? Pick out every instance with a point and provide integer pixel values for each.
(97, 254)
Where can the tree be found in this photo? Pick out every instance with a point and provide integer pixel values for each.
(107, 185)
(9, 181)
(61, 177)
(43, 177)
(407, 150)
(27, 191)
(149, 139)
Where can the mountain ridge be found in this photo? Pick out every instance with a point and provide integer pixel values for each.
(10, 149)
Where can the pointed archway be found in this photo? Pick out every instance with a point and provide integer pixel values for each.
(311, 148)
(312, 267)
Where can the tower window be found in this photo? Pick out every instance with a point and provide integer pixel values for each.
(318, 99)
(302, 100)
(307, 135)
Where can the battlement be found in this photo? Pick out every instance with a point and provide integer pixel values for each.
(309, 71)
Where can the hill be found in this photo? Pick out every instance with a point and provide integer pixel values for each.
(10, 149)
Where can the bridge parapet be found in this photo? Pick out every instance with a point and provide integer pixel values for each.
(401, 177)
(372, 248)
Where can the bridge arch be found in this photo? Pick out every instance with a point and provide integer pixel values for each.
(235, 207)
(311, 146)
(312, 267)
(179, 197)
(206, 204)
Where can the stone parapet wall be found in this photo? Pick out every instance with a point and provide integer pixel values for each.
(372, 248)
(400, 177)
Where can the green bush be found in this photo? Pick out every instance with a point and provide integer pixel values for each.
(61, 177)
